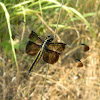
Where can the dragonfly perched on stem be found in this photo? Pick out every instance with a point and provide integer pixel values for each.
(46, 48)
(49, 50)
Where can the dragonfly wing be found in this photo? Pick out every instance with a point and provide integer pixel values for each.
(86, 47)
(50, 56)
(59, 47)
(32, 48)
(35, 38)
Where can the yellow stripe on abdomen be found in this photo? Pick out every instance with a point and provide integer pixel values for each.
(38, 56)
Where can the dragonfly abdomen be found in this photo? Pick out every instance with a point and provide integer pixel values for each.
(37, 58)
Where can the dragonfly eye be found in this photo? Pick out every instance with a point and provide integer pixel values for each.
(50, 38)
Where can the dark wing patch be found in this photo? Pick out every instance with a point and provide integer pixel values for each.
(59, 47)
(32, 48)
(86, 47)
(50, 56)
(79, 63)
(35, 38)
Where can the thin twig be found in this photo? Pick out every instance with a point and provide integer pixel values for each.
(54, 38)
(48, 26)
(44, 81)
(58, 20)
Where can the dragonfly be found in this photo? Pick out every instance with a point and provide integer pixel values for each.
(43, 48)
(50, 51)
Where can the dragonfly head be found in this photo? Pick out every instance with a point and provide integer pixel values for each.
(49, 38)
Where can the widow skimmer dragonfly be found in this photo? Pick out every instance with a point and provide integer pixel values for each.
(37, 46)
(50, 51)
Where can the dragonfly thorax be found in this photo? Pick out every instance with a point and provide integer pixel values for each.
(49, 38)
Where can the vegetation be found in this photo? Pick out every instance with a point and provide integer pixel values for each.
(79, 23)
